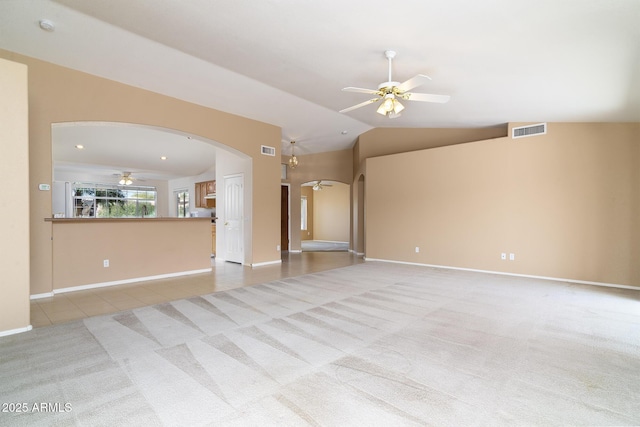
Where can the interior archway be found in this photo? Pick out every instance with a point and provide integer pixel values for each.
(168, 160)
(359, 226)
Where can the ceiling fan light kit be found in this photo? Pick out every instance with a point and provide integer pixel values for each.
(126, 179)
(390, 91)
(390, 106)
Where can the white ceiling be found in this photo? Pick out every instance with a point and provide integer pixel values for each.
(285, 61)
(110, 149)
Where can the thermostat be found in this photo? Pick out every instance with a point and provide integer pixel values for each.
(44, 187)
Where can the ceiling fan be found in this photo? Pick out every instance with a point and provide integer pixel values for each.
(125, 178)
(389, 92)
(319, 186)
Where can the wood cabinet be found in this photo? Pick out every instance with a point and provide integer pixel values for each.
(202, 189)
(211, 187)
(213, 239)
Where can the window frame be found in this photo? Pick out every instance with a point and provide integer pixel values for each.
(184, 203)
(89, 200)
(304, 206)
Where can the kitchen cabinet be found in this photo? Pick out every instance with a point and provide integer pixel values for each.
(202, 189)
(211, 187)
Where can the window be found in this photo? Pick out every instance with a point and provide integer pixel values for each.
(303, 213)
(113, 201)
(183, 203)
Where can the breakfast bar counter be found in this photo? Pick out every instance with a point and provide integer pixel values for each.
(94, 252)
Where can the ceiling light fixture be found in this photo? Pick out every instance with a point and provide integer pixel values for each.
(293, 161)
(126, 179)
(390, 106)
(80, 147)
(163, 158)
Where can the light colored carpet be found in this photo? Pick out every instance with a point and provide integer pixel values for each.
(371, 344)
(323, 246)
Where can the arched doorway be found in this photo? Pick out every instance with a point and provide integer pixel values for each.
(325, 216)
(171, 162)
(359, 217)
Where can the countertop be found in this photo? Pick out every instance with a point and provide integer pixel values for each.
(87, 220)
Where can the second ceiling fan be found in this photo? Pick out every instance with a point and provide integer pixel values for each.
(389, 92)
(319, 186)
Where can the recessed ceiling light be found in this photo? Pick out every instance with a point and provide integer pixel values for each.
(80, 147)
(47, 25)
(344, 132)
(163, 158)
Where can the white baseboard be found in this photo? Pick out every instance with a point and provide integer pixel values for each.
(260, 264)
(40, 296)
(15, 331)
(555, 279)
(125, 281)
(295, 251)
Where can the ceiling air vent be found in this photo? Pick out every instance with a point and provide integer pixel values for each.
(530, 130)
(267, 151)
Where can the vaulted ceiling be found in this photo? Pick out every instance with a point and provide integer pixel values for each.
(285, 62)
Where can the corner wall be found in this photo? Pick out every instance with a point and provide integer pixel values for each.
(14, 200)
(566, 204)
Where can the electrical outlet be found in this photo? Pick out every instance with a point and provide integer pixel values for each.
(417, 249)
(512, 257)
(277, 247)
(503, 256)
(105, 263)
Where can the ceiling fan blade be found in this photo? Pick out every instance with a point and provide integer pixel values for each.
(362, 104)
(361, 90)
(415, 81)
(426, 97)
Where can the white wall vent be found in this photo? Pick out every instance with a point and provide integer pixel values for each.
(267, 151)
(529, 130)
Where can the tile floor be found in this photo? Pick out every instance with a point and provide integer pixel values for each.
(81, 304)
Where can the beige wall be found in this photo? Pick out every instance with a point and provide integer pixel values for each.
(58, 94)
(567, 204)
(14, 202)
(331, 213)
(334, 166)
(384, 141)
(134, 248)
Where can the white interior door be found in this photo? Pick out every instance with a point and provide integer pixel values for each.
(233, 218)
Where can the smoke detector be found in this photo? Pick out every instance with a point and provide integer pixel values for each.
(47, 25)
